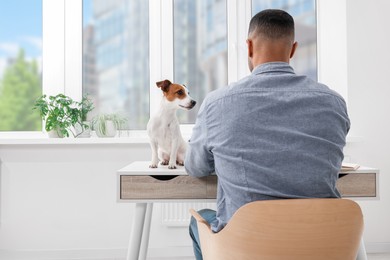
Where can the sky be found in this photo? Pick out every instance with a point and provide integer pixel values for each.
(87, 11)
(21, 26)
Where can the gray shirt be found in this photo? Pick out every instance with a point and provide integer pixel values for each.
(271, 135)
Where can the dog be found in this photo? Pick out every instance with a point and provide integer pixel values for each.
(163, 128)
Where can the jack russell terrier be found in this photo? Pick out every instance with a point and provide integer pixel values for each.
(163, 128)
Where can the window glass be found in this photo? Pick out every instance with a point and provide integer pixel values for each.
(20, 64)
(116, 58)
(304, 13)
(200, 49)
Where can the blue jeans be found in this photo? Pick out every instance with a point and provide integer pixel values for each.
(210, 216)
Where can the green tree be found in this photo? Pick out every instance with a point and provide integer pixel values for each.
(19, 88)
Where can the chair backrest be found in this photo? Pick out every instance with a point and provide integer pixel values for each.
(287, 229)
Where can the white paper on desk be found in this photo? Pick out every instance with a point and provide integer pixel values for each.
(349, 166)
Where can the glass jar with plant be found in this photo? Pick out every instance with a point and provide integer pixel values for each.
(107, 125)
(60, 114)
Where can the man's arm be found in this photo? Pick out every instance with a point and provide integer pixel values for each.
(199, 159)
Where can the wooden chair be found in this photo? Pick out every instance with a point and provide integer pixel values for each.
(311, 229)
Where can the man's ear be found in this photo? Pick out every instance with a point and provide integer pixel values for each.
(293, 49)
(249, 43)
(164, 85)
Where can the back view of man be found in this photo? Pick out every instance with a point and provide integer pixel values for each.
(271, 135)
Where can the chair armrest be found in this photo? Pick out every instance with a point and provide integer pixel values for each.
(199, 218)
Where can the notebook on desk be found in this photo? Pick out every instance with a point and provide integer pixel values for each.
(349, 167)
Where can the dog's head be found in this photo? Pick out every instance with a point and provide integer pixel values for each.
(176, 94)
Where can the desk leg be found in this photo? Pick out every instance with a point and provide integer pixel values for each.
(136, 231)
(146, 231)
(362, 255)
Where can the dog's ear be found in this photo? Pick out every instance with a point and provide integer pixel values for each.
(164, 85)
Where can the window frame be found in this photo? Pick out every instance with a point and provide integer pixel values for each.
(161, 44)
(238, 17)
(62, 48)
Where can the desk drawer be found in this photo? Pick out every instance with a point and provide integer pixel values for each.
(357, 185)
(167, 187)
(134, 187)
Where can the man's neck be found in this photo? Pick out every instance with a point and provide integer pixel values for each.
(270, 51)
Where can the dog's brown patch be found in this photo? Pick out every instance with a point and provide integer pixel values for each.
(172, 90)
(175, 91)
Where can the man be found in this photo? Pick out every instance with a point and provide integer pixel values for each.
(271, 135)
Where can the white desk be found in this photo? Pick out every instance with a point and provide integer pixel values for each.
(142, 185)
(135, 184)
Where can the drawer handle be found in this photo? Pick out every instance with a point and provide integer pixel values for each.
(341, 175)
(164, 177)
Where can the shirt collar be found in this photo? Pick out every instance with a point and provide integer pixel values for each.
(272, 67)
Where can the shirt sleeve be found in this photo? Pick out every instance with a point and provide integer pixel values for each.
(343, 109)
(199, 161)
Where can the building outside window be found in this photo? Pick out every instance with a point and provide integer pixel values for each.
(116, 58)
(116, 45)
(200, 49)
(20, 64)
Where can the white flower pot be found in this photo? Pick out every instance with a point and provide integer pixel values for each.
(55, 134)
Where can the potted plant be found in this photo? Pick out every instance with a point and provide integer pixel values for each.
(106, 125)
(60, 114)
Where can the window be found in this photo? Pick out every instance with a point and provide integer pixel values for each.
(20, 64)
(128, 45)
(200, 49)
(116, 69)
(116, 58)
(304, 13)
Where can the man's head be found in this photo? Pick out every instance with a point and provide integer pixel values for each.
(270, 37)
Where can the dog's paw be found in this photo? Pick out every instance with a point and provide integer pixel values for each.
(153, 166)
(164, 162)
(180, 163)
(172, 167)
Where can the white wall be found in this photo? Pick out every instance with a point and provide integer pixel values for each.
(332, 45)
(353, 46)
(369, 106)
(59, 201)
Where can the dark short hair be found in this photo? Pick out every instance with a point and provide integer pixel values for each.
(272, 24)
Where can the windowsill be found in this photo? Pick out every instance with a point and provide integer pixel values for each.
(131, 137)
(68, 141)
(39, 138)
